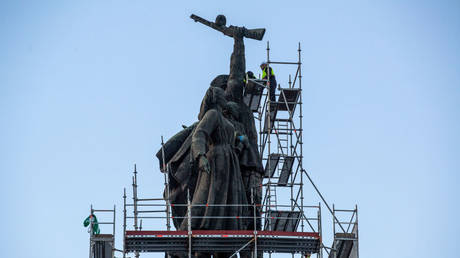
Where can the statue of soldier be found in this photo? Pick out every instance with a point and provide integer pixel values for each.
(250, 161)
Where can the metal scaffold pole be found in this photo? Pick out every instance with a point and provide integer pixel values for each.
(166, 184)
(91, 233)
(189, 224)
(320, 230)
(269, 129)
(254, 221)
(113, 230)
(135, 203)
(124, 222)
(301, 133)
(357, 232)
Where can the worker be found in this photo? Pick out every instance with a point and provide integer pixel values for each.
(270, 76)
(250, 87)
(92, 220)
(250, 75)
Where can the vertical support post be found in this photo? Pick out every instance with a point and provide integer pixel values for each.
(90, 231)
(334, 247)
(290, 145)
(269, 135)
(113, 231)
(113, 228)
(135, 197)
(189, 226)
(320, 230)
(290, 81)
(166, 175)
(135, 203)
(269, 127)
(291, 152)
(261, 138)
(124, 222)
(357, 233)
(255, 222)
(301, 133)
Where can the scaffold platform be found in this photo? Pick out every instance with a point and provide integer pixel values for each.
(222, 241)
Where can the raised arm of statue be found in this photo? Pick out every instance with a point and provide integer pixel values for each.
(235, 84)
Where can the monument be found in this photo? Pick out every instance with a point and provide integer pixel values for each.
(214, 163)
(214, 176)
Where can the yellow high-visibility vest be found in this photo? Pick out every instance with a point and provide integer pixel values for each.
(264, 72)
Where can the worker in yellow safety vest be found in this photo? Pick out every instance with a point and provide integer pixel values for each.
(268, 74)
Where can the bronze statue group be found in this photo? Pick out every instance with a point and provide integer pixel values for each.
(215, 164)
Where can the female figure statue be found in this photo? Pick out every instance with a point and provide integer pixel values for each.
(219, 178)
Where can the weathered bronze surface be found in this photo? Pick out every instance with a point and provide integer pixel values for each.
(216, 160)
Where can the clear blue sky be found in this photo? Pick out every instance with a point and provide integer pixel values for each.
(88, 87)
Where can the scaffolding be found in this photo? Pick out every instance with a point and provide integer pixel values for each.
(289, 225)
(282, 238)
(345, 240)
(101, 245)
(280, 140)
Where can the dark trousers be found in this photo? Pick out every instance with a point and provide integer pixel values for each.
(272, 89)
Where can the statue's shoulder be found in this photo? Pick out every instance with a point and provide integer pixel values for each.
(212, 114)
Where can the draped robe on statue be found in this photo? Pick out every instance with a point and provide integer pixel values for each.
(223, 186)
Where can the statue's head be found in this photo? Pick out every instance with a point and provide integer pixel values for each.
(213, 99)
(221, 20)
(231, 110)
(220, 81)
